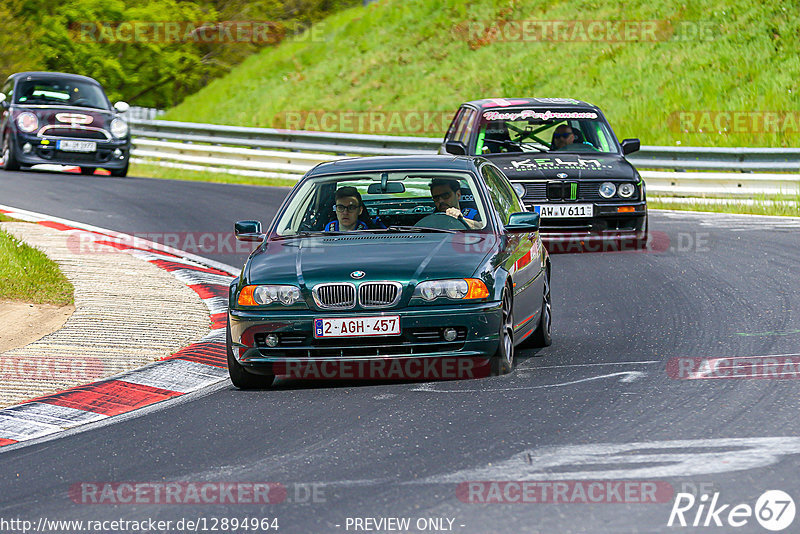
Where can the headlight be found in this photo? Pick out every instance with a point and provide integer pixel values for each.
(27, 122)
(519, 188)
(461, 288)
(263, 295)
(626, 190)
(119, 128)
(607, 189)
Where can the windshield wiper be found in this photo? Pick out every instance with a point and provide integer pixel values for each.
(307, 233)
(419, 229)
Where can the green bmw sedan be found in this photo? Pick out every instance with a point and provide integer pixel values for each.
(407, 267)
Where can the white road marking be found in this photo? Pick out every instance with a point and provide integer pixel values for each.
(736, 222)
(36, 419)
(217, 336)
(584, 462)
(586, 365)
(176, 375)
(629, 376)
(191, 277)
(216, 305)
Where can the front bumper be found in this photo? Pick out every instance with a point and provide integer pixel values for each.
(617, 217)
(477, 325)
(43, 150)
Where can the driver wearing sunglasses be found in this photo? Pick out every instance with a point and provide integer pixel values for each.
(446, 195)
(563, 136)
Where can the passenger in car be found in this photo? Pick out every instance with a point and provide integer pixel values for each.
(350, 212)
(446, 194)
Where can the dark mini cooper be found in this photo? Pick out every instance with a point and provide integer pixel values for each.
(564, 161)
(61, 119)
(384, 267)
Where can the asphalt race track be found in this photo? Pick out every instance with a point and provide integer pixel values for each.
(598, 405)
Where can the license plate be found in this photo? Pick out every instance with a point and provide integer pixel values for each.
(357, 326)
(565, 210)
(76, 146)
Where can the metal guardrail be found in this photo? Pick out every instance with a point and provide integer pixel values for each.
(718, 158)
(293, 140)
(277, 153)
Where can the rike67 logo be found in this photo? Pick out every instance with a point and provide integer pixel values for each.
(774, 510)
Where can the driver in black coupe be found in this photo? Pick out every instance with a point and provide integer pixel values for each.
(446, 196)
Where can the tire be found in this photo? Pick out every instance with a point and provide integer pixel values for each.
(240, 377)
(10, 162)
(642, 242)
(503, 359)
(87, 170)
(123, 172)
(542, 336)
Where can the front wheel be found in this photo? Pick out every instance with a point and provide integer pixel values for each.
(503, 359)
(542, 336)
(10, 162)
(121, 172)
(241, 377)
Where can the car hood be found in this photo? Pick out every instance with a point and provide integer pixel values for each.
(66, 116)
(575, 165)
(398, 257)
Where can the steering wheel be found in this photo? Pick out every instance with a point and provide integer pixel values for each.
(442, 221)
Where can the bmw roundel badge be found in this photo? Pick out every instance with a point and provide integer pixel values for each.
(357, 274)
(561, 175)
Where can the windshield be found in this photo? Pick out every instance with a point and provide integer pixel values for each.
(61, 92)
(541, 130)
(385, 202)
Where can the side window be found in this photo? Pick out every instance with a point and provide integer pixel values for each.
(451, 131)
(508, 191)
(503, 197)
(469, 124)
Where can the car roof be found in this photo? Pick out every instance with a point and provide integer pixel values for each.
(493, 103)
(52, 75)
(397, 163)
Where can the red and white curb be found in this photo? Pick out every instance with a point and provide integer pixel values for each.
(194, 367)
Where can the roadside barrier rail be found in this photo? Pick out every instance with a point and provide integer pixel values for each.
(273, 152)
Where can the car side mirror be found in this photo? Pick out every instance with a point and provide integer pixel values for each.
(630, 145)
(248, 231)
(457, 148)
(122, 107)
(525, 221)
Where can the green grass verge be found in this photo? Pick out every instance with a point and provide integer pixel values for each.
(421, 55)
(27, 275)
(731, 206)
(157, 171)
